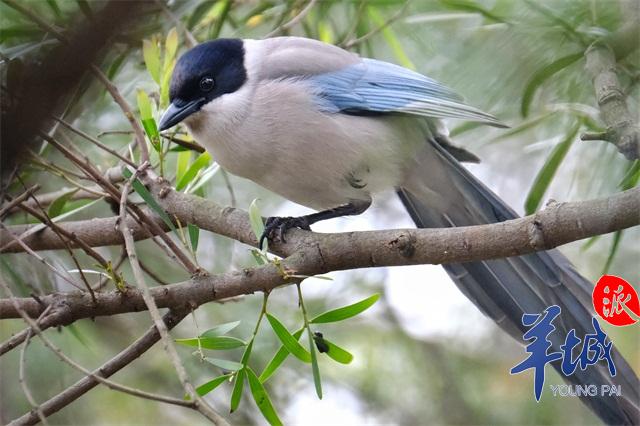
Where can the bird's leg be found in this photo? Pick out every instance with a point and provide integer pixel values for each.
(280, 225)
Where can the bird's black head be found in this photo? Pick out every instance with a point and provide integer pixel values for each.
(205, 72)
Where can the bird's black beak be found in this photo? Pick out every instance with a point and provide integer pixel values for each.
(178, 111)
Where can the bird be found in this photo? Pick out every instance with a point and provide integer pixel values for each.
(328, 129)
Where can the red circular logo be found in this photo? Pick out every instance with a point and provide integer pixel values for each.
(616, 301)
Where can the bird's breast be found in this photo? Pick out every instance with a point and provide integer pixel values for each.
(276, 136)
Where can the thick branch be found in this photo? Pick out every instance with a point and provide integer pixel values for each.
(622, 127)
(312, 254)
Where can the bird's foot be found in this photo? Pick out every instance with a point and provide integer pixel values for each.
(278, 226)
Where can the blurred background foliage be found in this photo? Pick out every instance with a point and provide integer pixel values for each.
(423, 354)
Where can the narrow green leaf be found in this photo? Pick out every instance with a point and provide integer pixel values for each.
(247, 353)
(345, 312)
(262, 400)
(215, 343)
(57, 206)
(259, 257)
(200, 162)
(337, 353)
(54, 6)
(151, 54)
(472, 6)
(317, 381)
(194, 236)
(144, 104)
(391, 39)
(548, 171)
(73, 329)
(591, 241)
(541, 75)
(199, 12)
(170, 46)
(617, 237)
(224, 363)
(236, 394)
(278, 359)
(210, 385)
(182, 163)
(631, 177)
(148, 198)
(164, 84)
(151, 129)
(255, 218)
(117, 64)
(220, 329)
(289, 342)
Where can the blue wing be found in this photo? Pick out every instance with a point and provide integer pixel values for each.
(372, 86)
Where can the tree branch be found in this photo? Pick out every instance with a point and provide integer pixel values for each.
(622, 127)
(312, 254)
(84, 385)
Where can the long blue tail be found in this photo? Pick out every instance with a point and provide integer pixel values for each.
(440, 192)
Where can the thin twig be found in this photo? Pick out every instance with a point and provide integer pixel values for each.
(169, 347)
(17, 200)
(94, 141)
(109, 368)
(22, 375)
(183, 143)
(28, 249)
(294, 21)
(96, 376)
(391, 20)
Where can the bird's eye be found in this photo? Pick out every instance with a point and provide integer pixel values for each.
(206, 84)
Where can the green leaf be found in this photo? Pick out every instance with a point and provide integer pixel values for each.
(199, 12)
(289, 342)
(259, 257)
(391, 39)
(200, 162)
(117, 64)
(317, 381)
(278, 359)
(338, 354)
(236, 394)
(151, 54)
(57, 206)
(220, 329)
(262, 400)
(631, 177)
(247, 353)
(617, 237)
(541, 75)
(73, 329)
(143, 192)
(182, 163)
(54, 6)
(224, 364)
(255, 218)
(210, 385)
(194, 236)
(164, 84)
(345, 312)
(471, 6)
(170, 46)
(548, 171)
(144, 104)
(215, 343)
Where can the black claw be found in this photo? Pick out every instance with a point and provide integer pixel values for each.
(278, 226)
